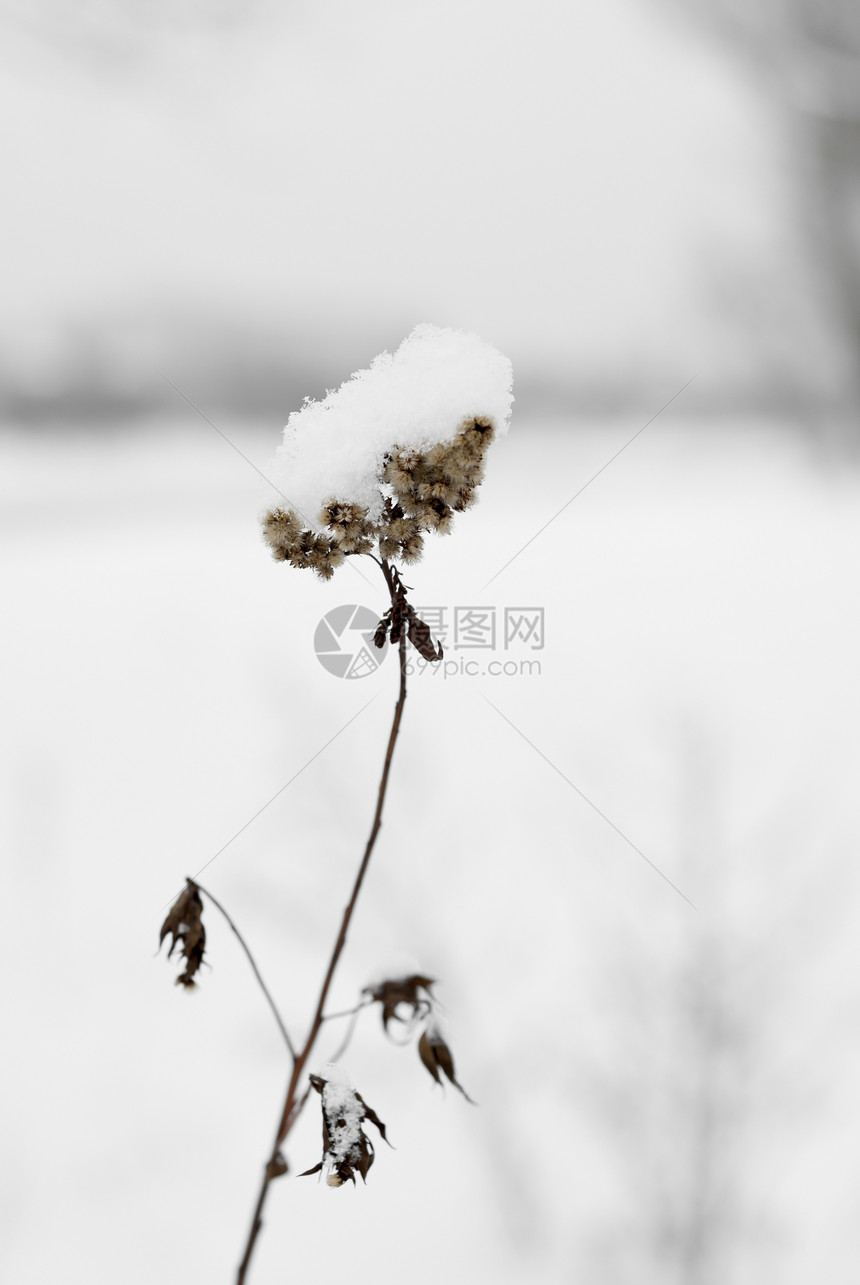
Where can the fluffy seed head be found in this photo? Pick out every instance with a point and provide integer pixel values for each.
(400, 443)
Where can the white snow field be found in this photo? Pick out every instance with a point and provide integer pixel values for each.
(660, 1086)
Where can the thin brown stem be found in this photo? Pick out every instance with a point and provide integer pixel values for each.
(348, 1012)
(293, 1103)
(263, 987)
(350, 1031)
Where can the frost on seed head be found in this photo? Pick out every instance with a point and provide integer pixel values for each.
(391, 455)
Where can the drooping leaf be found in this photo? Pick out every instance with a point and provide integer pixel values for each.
(185, 925)
(346, 1151)
(371, 1115)
(421, 639)
(436, 1056)
(382, 630)
(401, 990)
(428, 1056)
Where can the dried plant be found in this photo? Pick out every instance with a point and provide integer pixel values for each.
(403, 486)
(404, 991)
(422, 491)
(436, 1056)
(184, 924)
(347, 1150)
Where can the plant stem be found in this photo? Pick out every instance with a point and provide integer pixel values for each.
(345, 1042)
(281, 1027)
(348, 1012)
(292, 1102)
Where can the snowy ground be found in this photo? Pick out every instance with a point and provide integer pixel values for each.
(663, 1090)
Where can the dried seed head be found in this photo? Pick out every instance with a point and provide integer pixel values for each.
(422, 491)
(281, 528)
(388, 548)
(400, 528)
(184, 924)
(411, 549)
(348, 526)
(390, 442)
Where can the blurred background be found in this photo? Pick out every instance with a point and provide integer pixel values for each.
(212, 210)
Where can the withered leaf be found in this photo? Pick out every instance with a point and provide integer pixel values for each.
(399, 619)
(364, 1161)
(420, 637)
(436, 1056)
(428, 1056)
(401, 990)
(184, 924)
(382, 629)
(371, 1115)
(344, 1154)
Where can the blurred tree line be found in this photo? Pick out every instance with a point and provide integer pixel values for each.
(804, 56)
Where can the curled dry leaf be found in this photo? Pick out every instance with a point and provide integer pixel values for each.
(402, 990)
(400, 618)
(382, 630)
(347, 1150)
(184, 924)
(436, 1056)
(420, 637)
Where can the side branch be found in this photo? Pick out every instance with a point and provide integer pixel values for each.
(263, 987)
(359, 879)
(294, 1103)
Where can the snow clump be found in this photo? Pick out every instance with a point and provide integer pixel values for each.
(390, 455)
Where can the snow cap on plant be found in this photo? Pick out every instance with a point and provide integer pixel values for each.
(347, 1150)
(391, 455)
